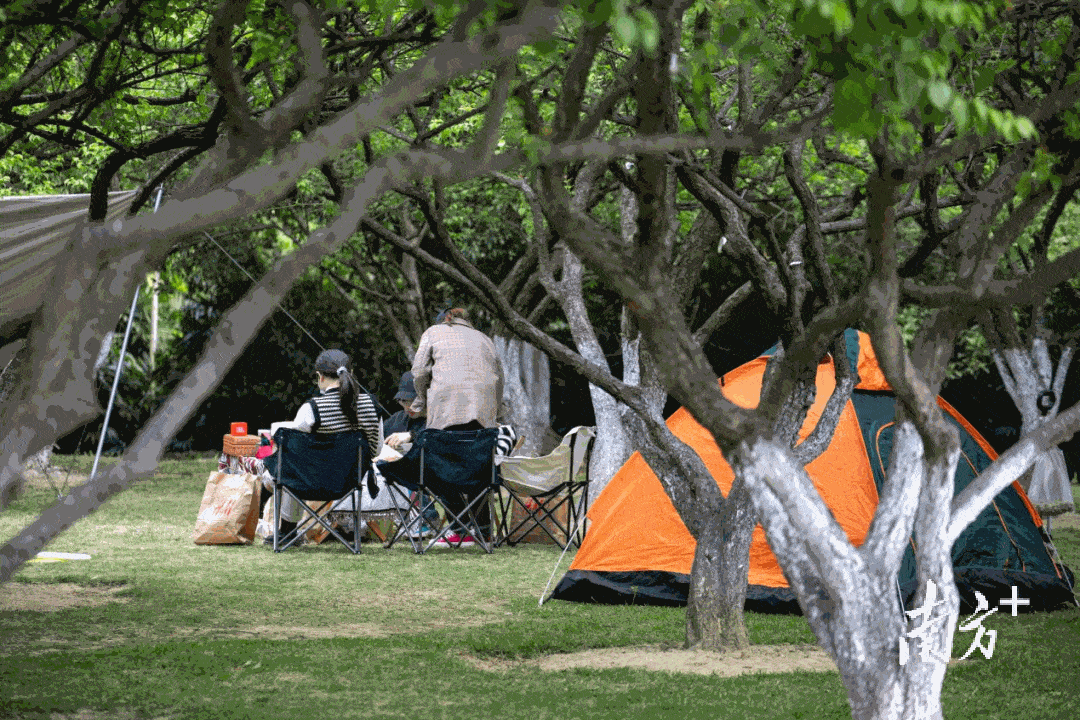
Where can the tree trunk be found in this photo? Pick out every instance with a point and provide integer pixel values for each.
(612, 446)
(722, 528)
(1035, 387)
(848, 595)
(9, 372)
(718, 577)
(527, 392)
(155, 283)
(9, 376)
(878, 686)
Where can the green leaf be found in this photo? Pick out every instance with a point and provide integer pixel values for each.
(959, 110)
(908, 85)
(596, 11)
(940, 93)
(648, 30)
(626, 29)
(1025, 128)
(904, 8)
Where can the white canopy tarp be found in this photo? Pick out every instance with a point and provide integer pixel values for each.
(34, 230)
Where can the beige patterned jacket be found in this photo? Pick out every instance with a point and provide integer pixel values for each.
(458, 376)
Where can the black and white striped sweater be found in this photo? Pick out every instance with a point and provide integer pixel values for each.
(330, 419)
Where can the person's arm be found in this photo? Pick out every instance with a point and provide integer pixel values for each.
(395, 423)
(304, 420)
(369, 422)
(423, 361)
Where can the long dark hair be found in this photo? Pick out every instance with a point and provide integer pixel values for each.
(335, 363)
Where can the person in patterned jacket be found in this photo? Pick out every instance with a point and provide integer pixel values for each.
(457, 375)
(458, 379)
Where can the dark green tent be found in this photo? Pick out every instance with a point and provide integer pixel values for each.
(1002, 548)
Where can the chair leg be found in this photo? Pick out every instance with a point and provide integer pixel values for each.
(277, 516)
(577, 523)
(505, 500)
(321, 516)
(356, 528)
(400, 496)
(310, 518)
(544, 516)
(281, 542)
(467, 519)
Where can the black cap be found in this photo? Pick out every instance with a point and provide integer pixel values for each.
(406, 389)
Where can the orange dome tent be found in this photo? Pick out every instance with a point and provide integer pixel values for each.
(637, 549)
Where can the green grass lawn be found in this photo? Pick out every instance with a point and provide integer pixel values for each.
(238, 632)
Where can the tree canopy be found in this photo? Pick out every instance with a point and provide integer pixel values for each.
(812, 164)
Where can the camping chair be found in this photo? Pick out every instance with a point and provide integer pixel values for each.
(548, 494)
(326, 467)
(454, 470)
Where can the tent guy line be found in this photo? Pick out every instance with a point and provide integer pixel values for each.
(252, 279)
(289, 315)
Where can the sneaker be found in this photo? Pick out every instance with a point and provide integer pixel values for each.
(455, 540)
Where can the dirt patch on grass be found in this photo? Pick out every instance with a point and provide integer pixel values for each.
(758, 659)
(88, 714)
(49, 597)
(299, 632)
(350, 630)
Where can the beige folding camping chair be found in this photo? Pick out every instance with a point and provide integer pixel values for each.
(545, 498)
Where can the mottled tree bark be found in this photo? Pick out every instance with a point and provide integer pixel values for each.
(1036, 387)
(527, 393)
(714, 610)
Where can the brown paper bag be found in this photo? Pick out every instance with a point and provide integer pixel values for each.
(229, 511)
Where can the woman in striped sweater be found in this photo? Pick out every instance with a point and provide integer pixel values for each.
(339, 407)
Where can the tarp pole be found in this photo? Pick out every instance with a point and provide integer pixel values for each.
(119, 365)
(116, 383)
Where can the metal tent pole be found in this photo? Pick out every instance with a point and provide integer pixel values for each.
(116, 384)
(119, 365)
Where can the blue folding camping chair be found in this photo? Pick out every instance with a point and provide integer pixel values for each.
(326, 467)
(451, 469)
